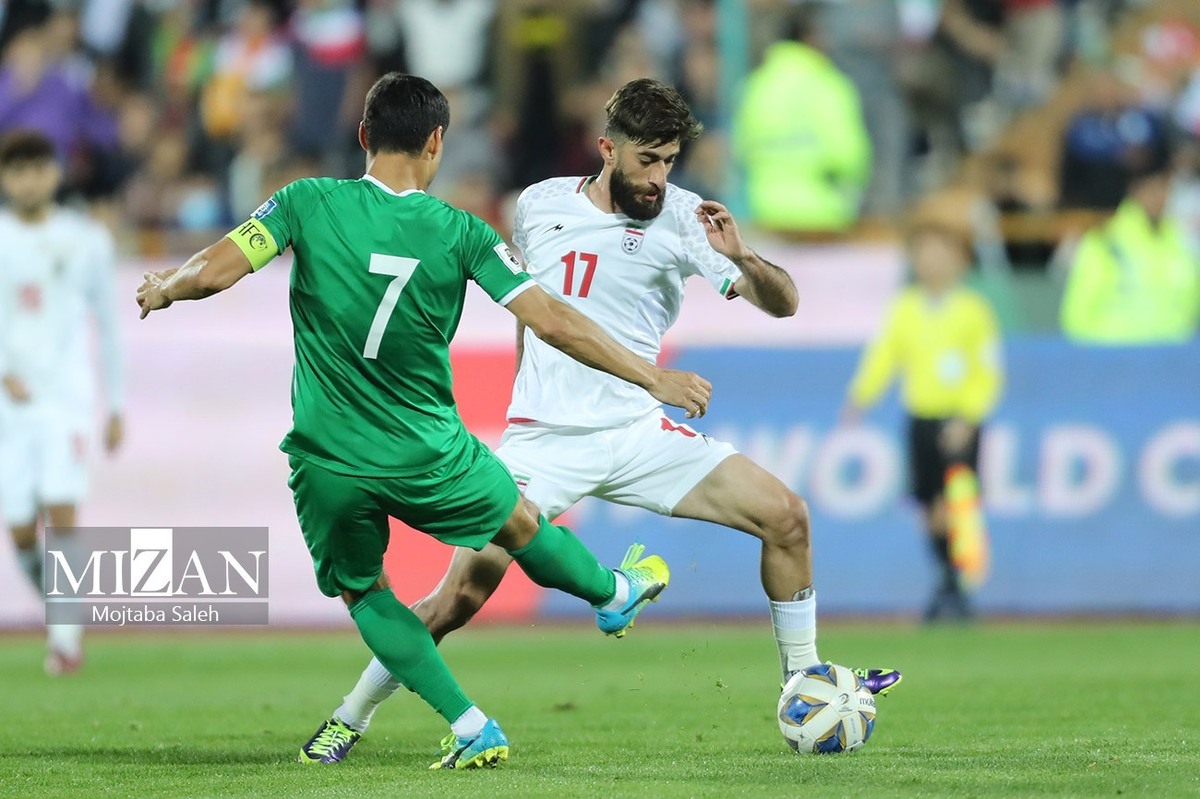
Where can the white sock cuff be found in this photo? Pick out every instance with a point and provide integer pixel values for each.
(796, 615)
(470, 723)
(378, 675)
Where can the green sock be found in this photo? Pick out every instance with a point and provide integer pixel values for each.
(555, 558)
(398, 638)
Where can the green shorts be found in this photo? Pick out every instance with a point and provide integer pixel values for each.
(344, 518)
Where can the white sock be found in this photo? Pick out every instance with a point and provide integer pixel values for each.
(469, 724)
(375, 685)
(621, 596)
(795, 626)
(65, 638)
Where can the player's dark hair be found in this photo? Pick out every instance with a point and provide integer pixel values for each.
(401, 113)
(24, 147)
(650, 112)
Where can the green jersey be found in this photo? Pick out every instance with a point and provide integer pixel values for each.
(377, 290)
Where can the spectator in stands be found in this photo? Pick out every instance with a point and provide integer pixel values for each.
(1034, 33)
(1109, 140)
(328, 85)
(1134, 280)
(865, 41)
(253, 56)
(950, 77)
(446, 41)
(1184, 203)
(39, 92)
(943, 342)
(538, 61)
(800, 134)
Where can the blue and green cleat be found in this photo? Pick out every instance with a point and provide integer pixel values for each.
(330, 744)
(647, 577)
(488, 748)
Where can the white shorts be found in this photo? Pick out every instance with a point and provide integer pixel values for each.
(43, 460)
(651, 463)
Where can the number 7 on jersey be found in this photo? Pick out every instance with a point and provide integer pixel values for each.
(401, 269)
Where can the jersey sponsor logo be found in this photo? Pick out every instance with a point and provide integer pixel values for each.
(631, 242)
(506, 255)
(265, 209)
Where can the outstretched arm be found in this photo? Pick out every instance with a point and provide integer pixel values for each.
(102, 297)
(566, 329)
(212, 270)
(763, 284)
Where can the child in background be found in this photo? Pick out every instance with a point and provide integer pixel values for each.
(942, 340)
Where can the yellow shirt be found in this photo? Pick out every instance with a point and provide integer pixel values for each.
(946, 351)
(1132, 282)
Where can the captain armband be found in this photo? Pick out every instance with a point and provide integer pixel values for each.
(255, 241)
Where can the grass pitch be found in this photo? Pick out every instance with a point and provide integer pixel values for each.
(1049, 709)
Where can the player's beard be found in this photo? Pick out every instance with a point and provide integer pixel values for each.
(632, 200)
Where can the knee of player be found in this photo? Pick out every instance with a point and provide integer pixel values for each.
(789, 524)
(446, 609)
(24, 536)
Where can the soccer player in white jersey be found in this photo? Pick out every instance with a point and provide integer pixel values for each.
(56, 271)
(618, 247)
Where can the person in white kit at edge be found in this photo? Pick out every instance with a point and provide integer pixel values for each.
(56, 275)
(618, 247)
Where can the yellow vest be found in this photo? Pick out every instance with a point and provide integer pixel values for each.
(1132, 283)
(799, 133)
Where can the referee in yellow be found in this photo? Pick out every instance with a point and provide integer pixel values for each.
(942, 341)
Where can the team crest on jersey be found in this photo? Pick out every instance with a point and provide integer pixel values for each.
(632, 241)
(265, 209)
(507, 256)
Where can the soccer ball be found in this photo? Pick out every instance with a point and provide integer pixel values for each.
(826, 709)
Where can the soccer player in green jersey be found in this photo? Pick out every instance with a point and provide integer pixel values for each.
(377, 288)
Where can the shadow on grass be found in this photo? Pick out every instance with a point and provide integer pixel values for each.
(206, 755)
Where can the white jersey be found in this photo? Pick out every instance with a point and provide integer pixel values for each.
(55, 276)
(624, 274)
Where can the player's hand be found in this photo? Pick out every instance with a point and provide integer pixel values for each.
(722, 230)
(16, 389)
(149, 294)
(686, 390)
(955, 437)
(114, 433)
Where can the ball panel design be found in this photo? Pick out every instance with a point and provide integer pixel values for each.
(826, 709)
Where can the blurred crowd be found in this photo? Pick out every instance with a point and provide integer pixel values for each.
(184, 114)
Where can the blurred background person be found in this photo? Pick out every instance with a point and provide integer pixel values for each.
(252, 56)
(1135, 279)
(799, 132)
(56, 276)
(942, 341)
(1109, 140)
(330, 78)
(43, 87)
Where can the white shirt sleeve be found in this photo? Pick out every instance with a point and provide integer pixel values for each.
(699, 256)
(519, 238)
(102, 299)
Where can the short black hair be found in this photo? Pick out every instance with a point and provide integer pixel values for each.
(650, 112)
(24, 147)
(401, 113)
